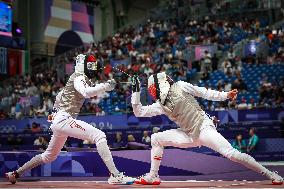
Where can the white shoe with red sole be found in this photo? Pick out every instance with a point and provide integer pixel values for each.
(275, 178)
(148, 179)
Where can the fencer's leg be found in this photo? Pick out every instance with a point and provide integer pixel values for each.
(209, 137)
(82, 130)
(173, 137)
(156, 154)
(54, 147)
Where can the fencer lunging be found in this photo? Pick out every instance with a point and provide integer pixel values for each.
(176, 100)
(64, 123)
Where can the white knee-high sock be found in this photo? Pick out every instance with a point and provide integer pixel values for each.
(105, 154)
(34, 162)
(156, 157)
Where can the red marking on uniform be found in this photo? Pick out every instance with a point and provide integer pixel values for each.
(158, 158)
(74, 124)
(152, 91)
(80, 127)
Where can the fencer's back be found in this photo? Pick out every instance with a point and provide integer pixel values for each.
(182, 108)
(71, 100)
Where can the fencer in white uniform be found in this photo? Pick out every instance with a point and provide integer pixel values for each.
(176, 100)
(64, 123)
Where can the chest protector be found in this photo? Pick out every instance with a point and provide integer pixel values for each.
(182, 108)
(71, 100)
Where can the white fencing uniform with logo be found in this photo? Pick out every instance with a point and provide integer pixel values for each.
(196, 128)
(64, 123)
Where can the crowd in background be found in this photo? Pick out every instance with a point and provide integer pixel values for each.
(155, 46)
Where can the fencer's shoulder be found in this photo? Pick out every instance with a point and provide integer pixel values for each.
(182, 83)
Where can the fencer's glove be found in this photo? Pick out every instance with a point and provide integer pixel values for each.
(110, 85)
(135, 84)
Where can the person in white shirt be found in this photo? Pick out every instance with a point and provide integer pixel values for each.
(64, 122)
(146, 139)
(177, 101)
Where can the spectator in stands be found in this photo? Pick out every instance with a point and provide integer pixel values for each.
(155, 130)
(239, 143)
(243, 105)
(40, 141)
(46, 107)
(32, 90)
(35, 128)
(253, 141)
(32, 111)
(45, 89)
(238, 65)
(207, 61)
(251, 104)
(13, 111)
(231, 57)
(146, 139)
(220, 86)
(99, 111)
(118, 143)
(227, 67)
(18, 110)
(227, 86)
(130, 138)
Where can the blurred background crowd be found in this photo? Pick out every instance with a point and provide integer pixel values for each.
(164, 45)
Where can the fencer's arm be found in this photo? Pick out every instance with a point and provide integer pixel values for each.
(203, 92)
(82, 87)
(144, 111)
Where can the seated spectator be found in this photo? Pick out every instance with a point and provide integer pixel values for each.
(239, 143)
(35, 128)
(118, 143)
(18, 110)
(231, 57)
(251, 104)
(207, 61)
(227, 67)
(155, 130)
(130, 138)
(253, 141)
(243, 105)
(32, 111)
(40, 141)
(227, 86)
(47, 105)
(146, 139)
